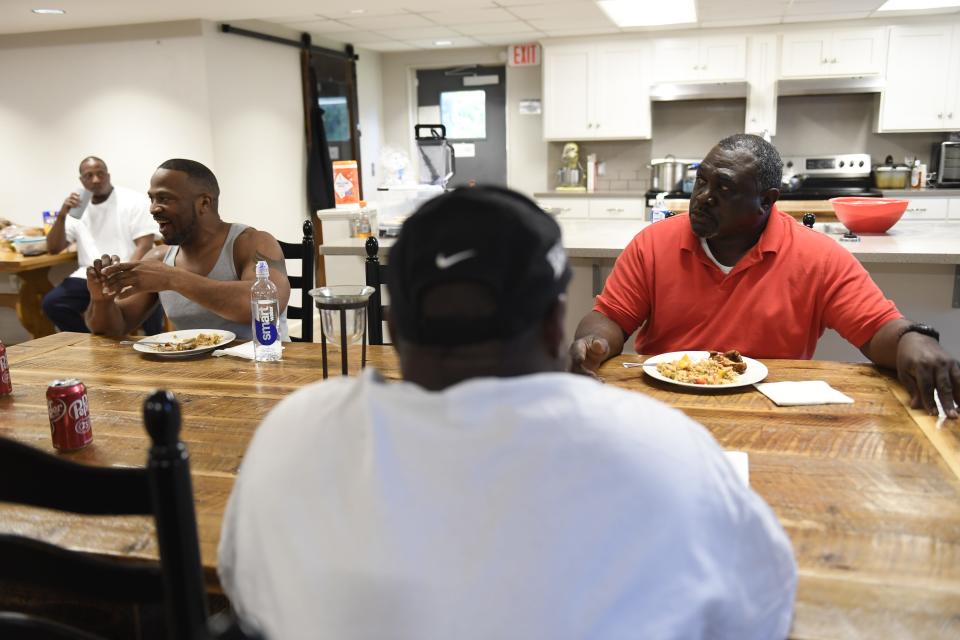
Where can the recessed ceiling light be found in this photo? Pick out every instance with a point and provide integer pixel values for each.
(49, 11)
(442, 43)
(917, 5)
(649, 13)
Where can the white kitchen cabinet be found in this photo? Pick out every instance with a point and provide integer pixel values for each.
(762, 79)
(572, 207)
(596, 91)
(927, 209)
(921, 92)
(953, 209)
(617, 208)
(713, 59)
(844, 52)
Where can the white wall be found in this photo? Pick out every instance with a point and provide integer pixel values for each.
(136, 96)
(369, 88)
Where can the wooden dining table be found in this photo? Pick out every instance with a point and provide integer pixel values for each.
(869, 492)
(34, 274)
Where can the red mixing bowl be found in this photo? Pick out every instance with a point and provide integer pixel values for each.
(868, 215)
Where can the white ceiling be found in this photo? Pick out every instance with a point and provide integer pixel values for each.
(398, 25)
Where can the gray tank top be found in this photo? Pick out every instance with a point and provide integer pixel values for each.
(186, 314)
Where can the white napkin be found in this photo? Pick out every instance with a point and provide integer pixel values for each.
(789, 394)
(741, 464)
(244, 350)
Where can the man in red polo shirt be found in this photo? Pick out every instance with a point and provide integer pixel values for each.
(736, 273)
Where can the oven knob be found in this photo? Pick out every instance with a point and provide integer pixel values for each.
(861, 163)
(808, 220)
(789, 164)
(841, 164)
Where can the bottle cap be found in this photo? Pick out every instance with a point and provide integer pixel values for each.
(262, 268)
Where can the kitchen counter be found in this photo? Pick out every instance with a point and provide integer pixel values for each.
(906, 243)
(920, 193)
(591, 194)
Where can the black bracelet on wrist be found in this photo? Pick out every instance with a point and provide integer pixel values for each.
(921, 328)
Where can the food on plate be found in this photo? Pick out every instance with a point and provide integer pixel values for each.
(196, 342)
(718, 368)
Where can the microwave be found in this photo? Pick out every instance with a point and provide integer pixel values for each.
(946, 163)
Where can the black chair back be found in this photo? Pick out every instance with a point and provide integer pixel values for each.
(29, 476)
(303, 251)
(376, 274)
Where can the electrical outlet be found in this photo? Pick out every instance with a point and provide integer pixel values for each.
(601, 168)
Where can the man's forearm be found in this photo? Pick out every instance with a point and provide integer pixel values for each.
(598, 325)
(57, 237)
(881, 349)
(229, 300)
(105, 317)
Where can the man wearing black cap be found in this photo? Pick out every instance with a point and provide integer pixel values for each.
(491, 495)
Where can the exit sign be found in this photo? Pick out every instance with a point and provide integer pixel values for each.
(523, 55)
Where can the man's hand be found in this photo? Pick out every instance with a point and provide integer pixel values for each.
(128, 278)
(96, 280)
(72, 200)
(922, 366)
(587, 354)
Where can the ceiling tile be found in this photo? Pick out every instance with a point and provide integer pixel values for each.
(740, 22)
(586, 31)
(468, 16)
(390, 45)
(359, 37)
(494, 28)
(560, 10)
(420, 33)
(423, 6)
(344, 12)
(822, 7)
(403, 21)
(546, 24)
(508, 39)
(458, 43)
(320, 26)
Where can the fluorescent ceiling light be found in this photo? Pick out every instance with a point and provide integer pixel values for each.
(443, 43)
(357, 11)
(649, 13)
(917, 5)
(49, 11)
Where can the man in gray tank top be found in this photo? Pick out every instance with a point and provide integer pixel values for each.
(202, 278)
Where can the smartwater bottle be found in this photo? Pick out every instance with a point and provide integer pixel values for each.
(265, 313)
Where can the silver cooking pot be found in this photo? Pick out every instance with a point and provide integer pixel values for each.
(666, 174)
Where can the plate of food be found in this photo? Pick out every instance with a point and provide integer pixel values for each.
(185, 343)
(705, 369)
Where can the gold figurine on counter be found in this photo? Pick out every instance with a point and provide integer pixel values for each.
(570, 175)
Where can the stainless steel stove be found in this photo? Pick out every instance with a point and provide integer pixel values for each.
(827, 176)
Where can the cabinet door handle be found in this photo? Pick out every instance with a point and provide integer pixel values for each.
(950, 115)
(589, 125)
(833, 61)
(610, 210)
(940, 115)
(596, 125)
(824, 61)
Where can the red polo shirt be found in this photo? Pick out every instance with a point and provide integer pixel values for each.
(776, 303)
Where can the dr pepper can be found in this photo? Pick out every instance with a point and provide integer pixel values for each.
(5, 385)
(69, 414)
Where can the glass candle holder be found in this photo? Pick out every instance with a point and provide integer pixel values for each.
(343, 318)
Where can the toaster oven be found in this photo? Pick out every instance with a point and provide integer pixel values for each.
(946, 163)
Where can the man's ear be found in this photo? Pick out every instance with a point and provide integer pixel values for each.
(768, 198)
(204, 203)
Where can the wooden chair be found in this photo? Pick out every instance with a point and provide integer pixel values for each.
(376, 274)
(302, 251)
(163, 489)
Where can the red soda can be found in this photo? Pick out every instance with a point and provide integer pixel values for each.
(69, 414)
(5, 385)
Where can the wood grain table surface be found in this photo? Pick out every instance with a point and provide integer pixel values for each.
(869, 493)
(34, 274)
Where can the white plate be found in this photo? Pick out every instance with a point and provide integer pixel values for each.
(756, 371)
(226, 337)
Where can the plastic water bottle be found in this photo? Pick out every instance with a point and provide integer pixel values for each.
(659, 211)
(265, 314)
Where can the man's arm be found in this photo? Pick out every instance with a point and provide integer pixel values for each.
(229, 300)
(597, 339)
(108, 315)
(142, 247)
(57, 237)
(922, 366)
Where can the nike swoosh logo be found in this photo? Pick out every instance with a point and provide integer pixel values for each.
(445, 262)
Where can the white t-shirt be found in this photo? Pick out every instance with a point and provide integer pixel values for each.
(543, 506)
(110, 227)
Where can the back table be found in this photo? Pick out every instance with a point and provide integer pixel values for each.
(869, 493)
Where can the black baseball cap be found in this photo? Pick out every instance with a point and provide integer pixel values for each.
(489, 236)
